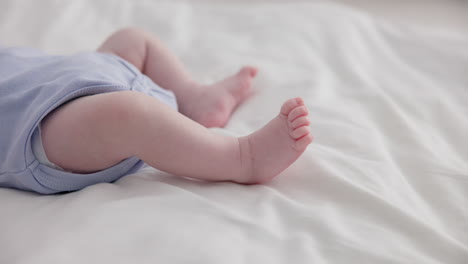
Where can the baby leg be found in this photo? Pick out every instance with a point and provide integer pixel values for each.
(209, 105)
(96, 132)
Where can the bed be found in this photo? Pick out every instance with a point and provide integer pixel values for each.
(385, 180)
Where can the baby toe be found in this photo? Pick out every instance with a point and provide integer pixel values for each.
(290, 105)
(300, 132)
(300, 121)
(297, 112)
(248, 71)
(302, 143)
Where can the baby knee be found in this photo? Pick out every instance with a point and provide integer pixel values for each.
(130, 31)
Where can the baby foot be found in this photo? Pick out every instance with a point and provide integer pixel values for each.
(214, 104)
(270, 150)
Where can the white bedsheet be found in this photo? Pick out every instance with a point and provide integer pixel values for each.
(385, 181)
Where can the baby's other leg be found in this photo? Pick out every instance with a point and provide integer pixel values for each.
(209, 105)
(95, 132)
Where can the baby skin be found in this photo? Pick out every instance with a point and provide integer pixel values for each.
(96, 132)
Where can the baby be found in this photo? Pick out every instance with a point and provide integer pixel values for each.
(67, 122)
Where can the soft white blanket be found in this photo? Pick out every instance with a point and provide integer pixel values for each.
(386, 180)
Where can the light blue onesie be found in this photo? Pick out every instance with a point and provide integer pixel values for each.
(32, 84)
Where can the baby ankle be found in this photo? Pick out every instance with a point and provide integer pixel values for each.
(246, 173)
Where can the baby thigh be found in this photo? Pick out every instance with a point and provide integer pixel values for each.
(87, 134)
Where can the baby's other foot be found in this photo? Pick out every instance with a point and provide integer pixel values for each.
(215, 103)
(273, 148)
